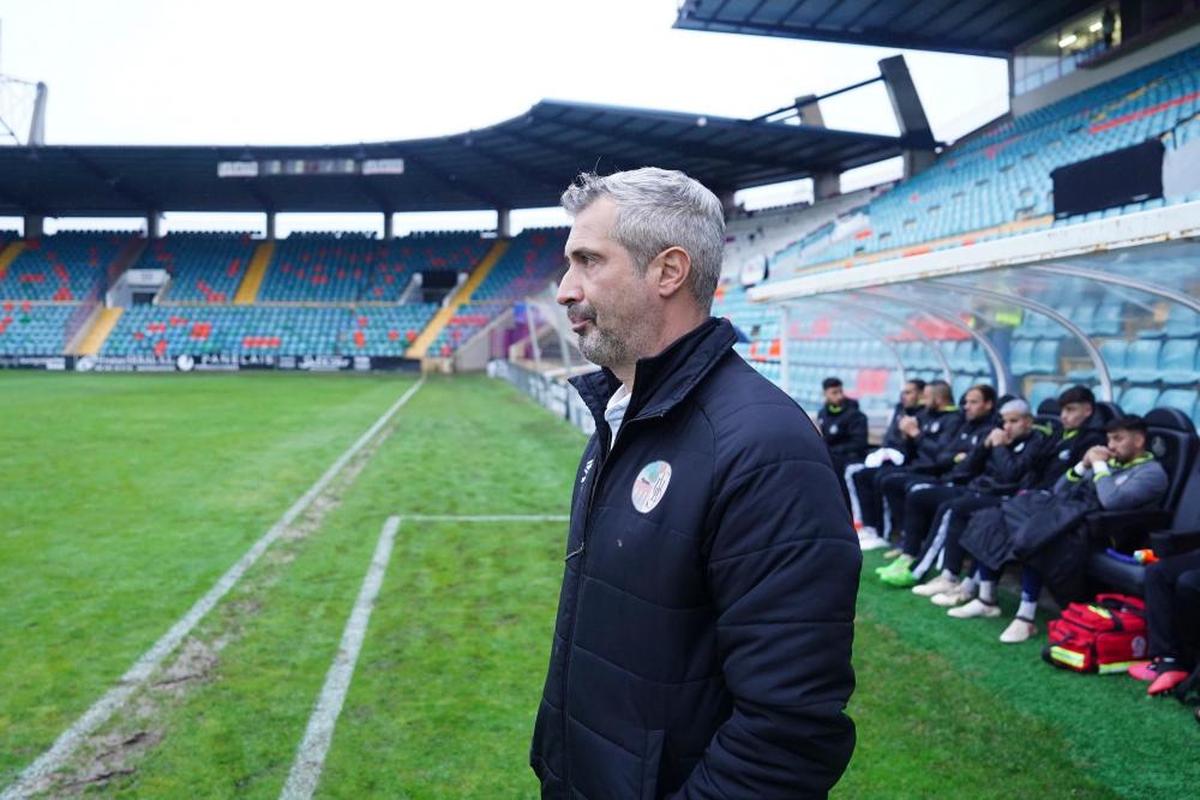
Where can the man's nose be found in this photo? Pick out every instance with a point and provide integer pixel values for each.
(568, 289)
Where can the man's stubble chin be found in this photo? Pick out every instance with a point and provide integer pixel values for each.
(602, 348)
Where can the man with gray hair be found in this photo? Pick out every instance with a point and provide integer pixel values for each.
(705, 622)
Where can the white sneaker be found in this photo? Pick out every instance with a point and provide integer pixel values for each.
(1019, 630)
(975, 608)
(893, 553)
(936, 586)
(867, 532)
(952, 597)
(872, 543)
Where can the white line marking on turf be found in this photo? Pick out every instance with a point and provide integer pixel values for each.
(318, 735)
(141, 670)
(485, 518)
(310, 759)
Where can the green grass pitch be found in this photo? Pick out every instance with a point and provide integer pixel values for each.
(125, 497)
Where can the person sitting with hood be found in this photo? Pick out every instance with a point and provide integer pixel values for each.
(1081, 431)
(844, 428)
(1039, 528)
(1007, 460)
(897, 449)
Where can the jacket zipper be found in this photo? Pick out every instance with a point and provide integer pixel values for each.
(605, 458)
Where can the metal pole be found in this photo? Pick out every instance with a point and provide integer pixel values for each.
(537, 351)
(1093, 352)
(999, 368)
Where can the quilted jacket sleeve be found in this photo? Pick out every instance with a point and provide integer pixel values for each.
(783, 570)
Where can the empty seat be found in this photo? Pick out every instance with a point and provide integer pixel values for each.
(1182, 399)
(1141, 361)
(1138, 400)
(1177, 361)
(1041, 391)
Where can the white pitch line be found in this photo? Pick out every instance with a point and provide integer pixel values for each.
(310, 758)
(142, 669)
(306, 770)
(485, 518)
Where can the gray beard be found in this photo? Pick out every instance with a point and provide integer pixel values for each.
(603, 348)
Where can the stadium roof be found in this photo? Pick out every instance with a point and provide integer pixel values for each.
(524, 162)
(974, 27)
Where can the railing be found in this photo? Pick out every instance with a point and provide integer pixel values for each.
(553, 394)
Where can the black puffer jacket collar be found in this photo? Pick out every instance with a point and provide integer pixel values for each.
(662, 381)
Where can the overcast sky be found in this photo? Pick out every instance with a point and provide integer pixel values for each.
(257, 72)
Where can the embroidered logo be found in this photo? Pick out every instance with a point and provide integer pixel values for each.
(587, 468)
(1019, 447)
(833, 430)
(650, 485)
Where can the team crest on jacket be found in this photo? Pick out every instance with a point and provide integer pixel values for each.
(650, 485)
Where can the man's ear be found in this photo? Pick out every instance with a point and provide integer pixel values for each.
(674, 269)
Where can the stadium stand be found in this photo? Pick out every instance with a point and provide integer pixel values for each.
(790, 233)
(994, 183)
(33, 329)
(329, 268)
(525, 269)
(168, 331)
(65, 268)
(998, 182)
(204, 267)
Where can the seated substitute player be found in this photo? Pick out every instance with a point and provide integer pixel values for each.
(1039, 529)
(897, 449)
(928, 435)
(1009, 458)
(1081, 431)
(979, 412)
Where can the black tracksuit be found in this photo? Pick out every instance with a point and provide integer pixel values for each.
(982, 479)
(895, 487)
(938, 427)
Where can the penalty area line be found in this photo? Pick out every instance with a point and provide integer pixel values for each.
(305, 773)
(67, 742)
(310, 758)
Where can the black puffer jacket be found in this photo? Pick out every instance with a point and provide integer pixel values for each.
(702, 646)
(893, 438)
(845, 430)
(1069, 450)
(1007, 469)
(939, 426)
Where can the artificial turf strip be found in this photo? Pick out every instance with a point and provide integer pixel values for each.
(124, 498)
(236, 734)
(1098, 729)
